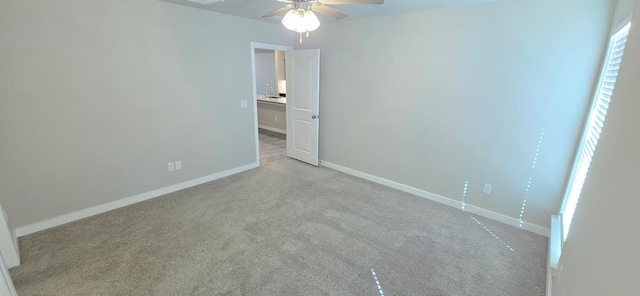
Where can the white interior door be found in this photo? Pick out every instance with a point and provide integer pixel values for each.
(303, 94)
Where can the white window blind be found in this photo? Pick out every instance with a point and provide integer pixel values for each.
(594, 126)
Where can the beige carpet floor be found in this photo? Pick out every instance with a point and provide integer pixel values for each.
(283, 229)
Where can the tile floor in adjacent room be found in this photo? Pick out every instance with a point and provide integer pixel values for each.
(273, 146)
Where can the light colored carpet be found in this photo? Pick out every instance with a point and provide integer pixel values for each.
(283, 229)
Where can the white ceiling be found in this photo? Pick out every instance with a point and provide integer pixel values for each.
(253, 9)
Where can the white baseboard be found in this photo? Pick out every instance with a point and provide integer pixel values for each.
(440, 199)
(53, 222)
(273, 129)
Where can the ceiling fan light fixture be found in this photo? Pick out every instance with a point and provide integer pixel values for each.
(311, 21)
(301, 20)
(291, 19)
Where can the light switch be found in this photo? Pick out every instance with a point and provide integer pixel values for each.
(178, 165)
(171, 166)
(243, 104)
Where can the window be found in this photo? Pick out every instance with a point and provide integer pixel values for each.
(593, 127)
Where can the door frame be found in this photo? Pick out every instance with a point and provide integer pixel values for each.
(254, 46)
(9, 247)
(6, 284)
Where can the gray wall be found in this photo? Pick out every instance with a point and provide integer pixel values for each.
(623, 9)
(600, 256)
(432, 99)
(97, 97)
(266, 73)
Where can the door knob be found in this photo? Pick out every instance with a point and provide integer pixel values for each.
(314, 116)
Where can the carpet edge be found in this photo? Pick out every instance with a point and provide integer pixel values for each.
(123, 202)
(534, 228)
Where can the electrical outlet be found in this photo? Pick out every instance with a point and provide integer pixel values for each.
(487, 188)
(243, 104)
(171, 166)
(276, 118)
(178, 165)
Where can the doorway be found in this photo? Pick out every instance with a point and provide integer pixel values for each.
(269, 90)
(298, 93)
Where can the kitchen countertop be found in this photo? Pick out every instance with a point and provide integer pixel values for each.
(278, 100)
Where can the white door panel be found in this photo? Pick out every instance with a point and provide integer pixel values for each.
(303, 94)
(303, 141)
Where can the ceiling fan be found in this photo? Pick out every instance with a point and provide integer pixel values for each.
(300, 15)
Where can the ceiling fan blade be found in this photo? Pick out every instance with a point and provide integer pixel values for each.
(280, 10)
(337, 2)
(332, 12)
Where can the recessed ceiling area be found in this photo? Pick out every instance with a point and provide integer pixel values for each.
(254, 9)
